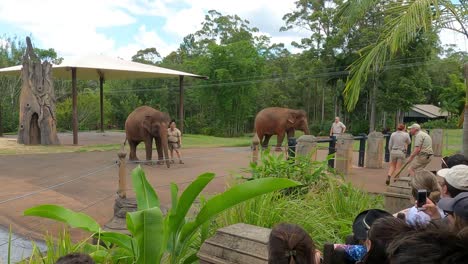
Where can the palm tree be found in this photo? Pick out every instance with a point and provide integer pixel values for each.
(403, 21)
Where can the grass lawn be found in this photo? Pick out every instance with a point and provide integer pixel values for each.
(10, 147)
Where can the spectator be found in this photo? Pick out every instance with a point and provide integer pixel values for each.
(422, 153)
(175, 140)
(75, 258)
(430, 246)
(455, 180)
(363, 222)
(291, 244)
(382, 232)
(458, 208)
(457, 159)
(397, 145)
(337, 128)
(427, 181)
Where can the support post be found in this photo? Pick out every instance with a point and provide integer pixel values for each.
(387, 151)
(332, 150)
(465, 115)
(1, 121)
(74, 107)
(122, 173)
(181, 103)
(408, 150)
(362, 149)
(101, 101)
(255, 146)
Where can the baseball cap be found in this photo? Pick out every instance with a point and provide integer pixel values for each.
(415, 126)
(363, 222)
(458, 205)
(457, 176)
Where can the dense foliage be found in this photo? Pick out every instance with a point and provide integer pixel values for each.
(248, 72)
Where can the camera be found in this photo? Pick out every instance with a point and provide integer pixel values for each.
(422, 196)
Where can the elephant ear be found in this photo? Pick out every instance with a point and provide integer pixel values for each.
(292, 118)
(147, 123)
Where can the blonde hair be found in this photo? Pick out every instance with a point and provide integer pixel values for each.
(426, 180)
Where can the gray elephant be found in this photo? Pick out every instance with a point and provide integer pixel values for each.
(145, 124)
(279, 121)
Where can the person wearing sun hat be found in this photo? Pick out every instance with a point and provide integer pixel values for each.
(422, 153)
(455, 180)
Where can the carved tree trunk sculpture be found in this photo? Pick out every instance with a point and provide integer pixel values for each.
(37, 118)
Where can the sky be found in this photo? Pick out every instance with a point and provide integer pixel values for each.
(120, 28)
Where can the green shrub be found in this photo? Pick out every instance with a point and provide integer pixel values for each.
(88, 112)
(451, 123)
(326, 212)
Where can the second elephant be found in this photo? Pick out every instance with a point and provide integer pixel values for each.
(279, 121)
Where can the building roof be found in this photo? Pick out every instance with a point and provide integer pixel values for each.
(427, 110)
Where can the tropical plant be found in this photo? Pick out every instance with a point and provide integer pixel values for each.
(157, 238)
(404, 21)
(300, 168)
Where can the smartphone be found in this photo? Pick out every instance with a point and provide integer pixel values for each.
(422, 196)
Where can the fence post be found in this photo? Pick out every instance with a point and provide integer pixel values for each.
(332, 150)
(408, 150)
(122, 191)
(362, 149)
(374, 157)
(387, 151)
(291, 147)
(344, 153)
(255, 146)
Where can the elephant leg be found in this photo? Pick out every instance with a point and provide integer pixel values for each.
(280, 141)
(149, 148)
(266, 141)
(159, 149)
(133, 146)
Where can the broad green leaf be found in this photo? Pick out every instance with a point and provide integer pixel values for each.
(174, 197)
(148, 232)
(100, 256)
(191, 259)
(231, 197)
(64, 215)
(145, 195)
(186, 200)
(121, 240)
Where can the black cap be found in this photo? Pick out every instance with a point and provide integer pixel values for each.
(363, 222)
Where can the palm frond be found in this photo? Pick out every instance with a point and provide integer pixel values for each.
(352, 11)
(403, 22)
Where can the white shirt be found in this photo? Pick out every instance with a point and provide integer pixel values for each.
(337, 128)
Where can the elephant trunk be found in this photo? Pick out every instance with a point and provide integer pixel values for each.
(305, 129)
(165, 146)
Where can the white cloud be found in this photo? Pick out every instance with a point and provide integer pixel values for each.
(451, 37)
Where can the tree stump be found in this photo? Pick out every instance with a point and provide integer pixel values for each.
(37, 119)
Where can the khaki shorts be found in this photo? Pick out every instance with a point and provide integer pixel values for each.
(174, 146)
(397, 155)
(420, 162)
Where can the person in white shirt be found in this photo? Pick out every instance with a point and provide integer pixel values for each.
(337, 128)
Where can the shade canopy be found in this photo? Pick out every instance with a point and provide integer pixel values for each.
(101, 67)
(93, 67)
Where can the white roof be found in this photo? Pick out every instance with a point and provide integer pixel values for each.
(90, 67)
(429, 110)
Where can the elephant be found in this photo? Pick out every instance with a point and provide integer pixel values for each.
(278, 121)
(144, 124)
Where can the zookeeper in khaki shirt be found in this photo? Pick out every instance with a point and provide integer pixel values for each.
(422, 153)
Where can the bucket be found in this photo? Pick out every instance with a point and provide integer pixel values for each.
(398, 195)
